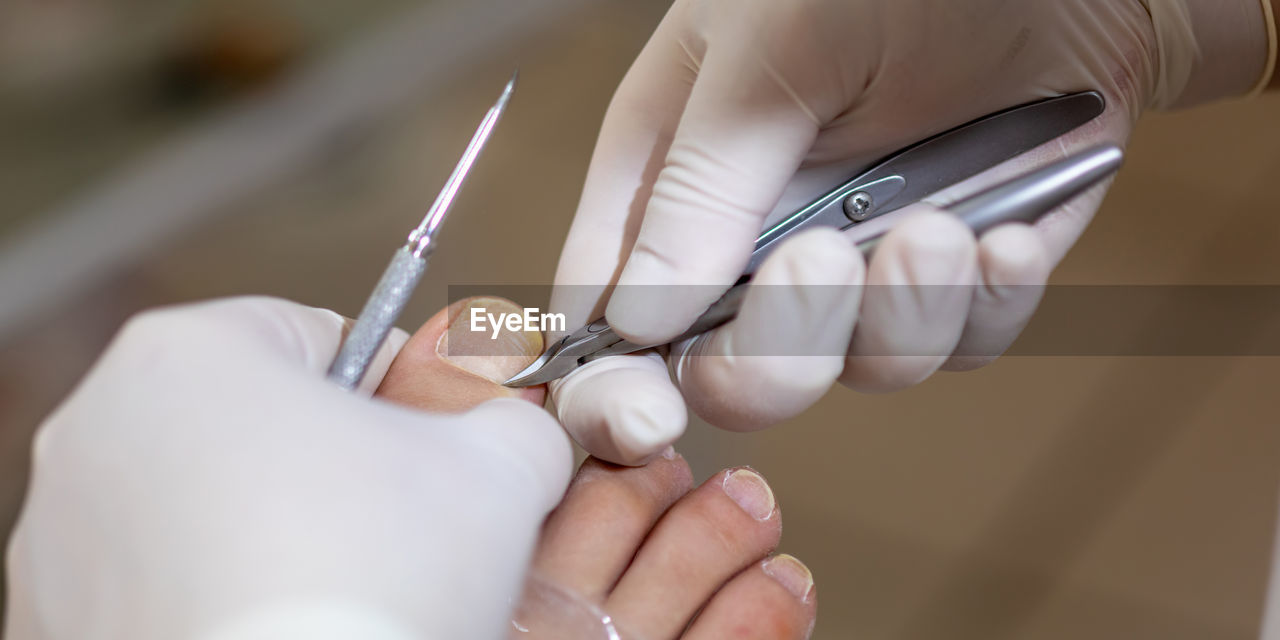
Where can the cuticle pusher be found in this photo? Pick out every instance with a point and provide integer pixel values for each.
(408, 264)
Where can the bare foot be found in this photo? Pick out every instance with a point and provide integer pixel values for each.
(636, 551)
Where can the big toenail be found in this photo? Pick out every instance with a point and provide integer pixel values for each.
(791, 574)
(495, 352)
(751, 492)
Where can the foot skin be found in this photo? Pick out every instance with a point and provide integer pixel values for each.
(652, 553)
(640, 545)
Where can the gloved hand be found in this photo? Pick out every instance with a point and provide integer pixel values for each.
(737, 111)
(206, 481)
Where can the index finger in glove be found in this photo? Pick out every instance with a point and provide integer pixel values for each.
(252, 329)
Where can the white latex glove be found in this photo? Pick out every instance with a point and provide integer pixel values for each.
(206, 481)
(737, 111)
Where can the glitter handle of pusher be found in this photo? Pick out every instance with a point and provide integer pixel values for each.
(377, 318)
(408, 264)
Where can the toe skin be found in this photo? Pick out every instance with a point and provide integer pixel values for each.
(763, 602)
(589, 540)
(705, 539)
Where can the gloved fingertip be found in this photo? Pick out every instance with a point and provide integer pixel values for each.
(673, 275)
(302, 334)
(822, 256)
(637, 313)
(622, 409)
(929, 248)
(1012, 255)
(382, 360)
(396, 339)
(643, 426)
(651, 306)
(1015, 265)
(938, 233)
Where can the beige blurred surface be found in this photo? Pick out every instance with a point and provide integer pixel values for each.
(1038, 498)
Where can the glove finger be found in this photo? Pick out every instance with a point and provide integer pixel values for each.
(634, 138)
(920, 283)
(1013, 267)
(258, 326)
(740, 140)
(787, 346)
(622, 409)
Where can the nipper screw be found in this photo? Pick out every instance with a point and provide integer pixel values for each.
(858, 205)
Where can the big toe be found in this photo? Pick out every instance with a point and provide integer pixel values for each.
(446, 366)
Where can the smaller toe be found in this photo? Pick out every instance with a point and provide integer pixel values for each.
(774, 600)
(589, 540)
(705, 539)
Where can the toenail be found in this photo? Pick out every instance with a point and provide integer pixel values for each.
(791, 574)
(751, 492)
(670, 453)
(494, 353)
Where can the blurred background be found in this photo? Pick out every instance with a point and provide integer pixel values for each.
(158, 152)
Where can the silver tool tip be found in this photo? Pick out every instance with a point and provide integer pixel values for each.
(534, 374)
(421, 236)
(552, 364)
(509, 89)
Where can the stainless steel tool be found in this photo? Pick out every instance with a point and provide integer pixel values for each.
(904, 178)
(408, 264)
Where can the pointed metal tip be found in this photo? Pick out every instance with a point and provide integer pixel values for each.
(508, 90)
(530, 377)
(420, 238)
